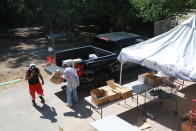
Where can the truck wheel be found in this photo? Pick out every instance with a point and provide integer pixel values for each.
(115, 67)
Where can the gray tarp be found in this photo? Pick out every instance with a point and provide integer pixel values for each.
(173, 53)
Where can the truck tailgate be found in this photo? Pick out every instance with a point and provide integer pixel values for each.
(51, 69)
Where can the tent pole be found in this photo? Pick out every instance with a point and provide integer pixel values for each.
(121, 65)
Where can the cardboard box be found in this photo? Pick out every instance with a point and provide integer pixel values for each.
(143, 77)
(123, 91)
(112, 95)
(185, 126)
(154, 81)
(99, 96)
(56, 77)
(103, 95)
(74, 61)
(111, 83)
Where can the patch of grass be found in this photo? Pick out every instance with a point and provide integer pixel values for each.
(3, 88)
(181, 17)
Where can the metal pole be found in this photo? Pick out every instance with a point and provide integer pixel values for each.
(121, 65)
(101, 113)
(54, 51)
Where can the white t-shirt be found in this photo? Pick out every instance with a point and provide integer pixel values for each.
(70, 74)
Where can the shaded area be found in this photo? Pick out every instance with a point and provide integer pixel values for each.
(80, 110)
(163, 113)
(14, 62)
(47, 112)
(19, 56)
(82, 92)
(62, 94)
(16, 44)
(189, 94)
(30, 40)
(131, 73)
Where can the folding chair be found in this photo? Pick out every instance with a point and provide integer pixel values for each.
(192, 115)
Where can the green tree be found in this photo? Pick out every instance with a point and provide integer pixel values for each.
(192, 4)
(110, 14)
(154, 10)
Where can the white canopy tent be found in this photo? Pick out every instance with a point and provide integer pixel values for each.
(173, 53)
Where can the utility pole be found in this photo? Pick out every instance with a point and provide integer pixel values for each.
(54, 51)
(52, 40)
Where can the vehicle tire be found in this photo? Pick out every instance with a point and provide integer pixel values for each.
(115, 67)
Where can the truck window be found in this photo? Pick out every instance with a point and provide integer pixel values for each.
(106, 45)
(138, 40)
(129, 42)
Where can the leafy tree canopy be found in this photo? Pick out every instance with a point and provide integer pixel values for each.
(154, 10)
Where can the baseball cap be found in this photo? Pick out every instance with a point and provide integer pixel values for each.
(67, 62)
(32, 66)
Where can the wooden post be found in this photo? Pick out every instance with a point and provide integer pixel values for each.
(61, 129)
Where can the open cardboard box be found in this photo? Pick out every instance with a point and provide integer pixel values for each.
(154, 81)
(123, 91)
(103, 95)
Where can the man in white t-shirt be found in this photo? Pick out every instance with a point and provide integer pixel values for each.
(70, 75)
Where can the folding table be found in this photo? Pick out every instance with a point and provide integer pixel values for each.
(113, 123)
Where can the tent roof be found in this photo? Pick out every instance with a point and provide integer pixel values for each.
(173, 53)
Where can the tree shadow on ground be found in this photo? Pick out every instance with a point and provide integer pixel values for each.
(47, 112)
(24, 60)
(11, 46)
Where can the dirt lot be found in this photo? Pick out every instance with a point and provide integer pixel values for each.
(26, 46)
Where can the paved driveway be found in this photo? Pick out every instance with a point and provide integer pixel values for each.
(17, 113)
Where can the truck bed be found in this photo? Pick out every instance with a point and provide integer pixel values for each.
(82, 53)
(51, 69)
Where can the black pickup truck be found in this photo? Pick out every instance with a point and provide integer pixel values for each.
(94, 72)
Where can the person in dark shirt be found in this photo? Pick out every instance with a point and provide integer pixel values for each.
(32, 75)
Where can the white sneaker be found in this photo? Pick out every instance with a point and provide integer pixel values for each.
(69, 105)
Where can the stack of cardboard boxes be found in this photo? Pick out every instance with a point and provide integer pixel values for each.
(111, 92)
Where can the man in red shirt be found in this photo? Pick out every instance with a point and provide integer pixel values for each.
(32, 75)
